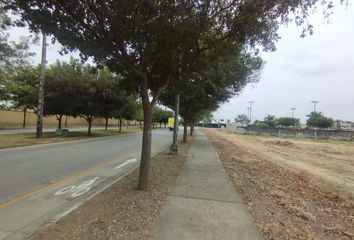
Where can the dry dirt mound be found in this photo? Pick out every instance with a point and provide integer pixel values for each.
(281, 143)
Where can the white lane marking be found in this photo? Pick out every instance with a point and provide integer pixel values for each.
(77, 190)
(65, 190)
(126, 163)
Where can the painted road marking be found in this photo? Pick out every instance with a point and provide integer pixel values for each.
(77, 190)
(55, 184)
(126, 163)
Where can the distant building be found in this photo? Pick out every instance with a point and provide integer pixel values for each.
(344, 125)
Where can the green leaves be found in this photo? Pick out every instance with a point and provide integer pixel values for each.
(22, 88)
(318, 120)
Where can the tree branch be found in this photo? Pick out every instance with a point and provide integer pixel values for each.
(158, 92)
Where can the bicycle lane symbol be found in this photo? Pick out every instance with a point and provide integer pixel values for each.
(77, 191)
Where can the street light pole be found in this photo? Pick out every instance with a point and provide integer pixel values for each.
(314, 105)
(292, 115)
(292, 112)
(251, 102)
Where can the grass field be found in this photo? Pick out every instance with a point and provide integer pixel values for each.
(27, 139)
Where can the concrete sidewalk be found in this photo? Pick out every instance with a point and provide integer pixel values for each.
(204, 204)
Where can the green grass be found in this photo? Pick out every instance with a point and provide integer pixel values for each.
(28, 139)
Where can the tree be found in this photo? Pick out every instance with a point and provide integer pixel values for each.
(208, 118)
(318, 120)
(60, 90)
(211, 81)
(288, 122)
(151, 42)
(114, 98)
(270, 121)
(243, 119)
(126, 109)
(260, 124)
(161, 116)
(12, 54)
(22, 90)
(139, 114)
(92, 94)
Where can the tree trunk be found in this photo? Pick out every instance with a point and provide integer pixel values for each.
(106, 124)
(66, 121)
(185, 131)
(24, 117)
(144, 171)
(120, 124)
(192, 129)
(59, 121)
(89, 126)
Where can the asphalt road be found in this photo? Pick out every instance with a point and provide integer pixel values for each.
(25, 169)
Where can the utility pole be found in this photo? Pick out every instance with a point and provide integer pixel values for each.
(39, 131)
(292, 112)
(174, 147)
(250, 102)
(248, 115)
(314, 105)
(292, 115)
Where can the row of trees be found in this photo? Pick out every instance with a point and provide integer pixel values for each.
(204, 48)
(315, 120)
(74, 89)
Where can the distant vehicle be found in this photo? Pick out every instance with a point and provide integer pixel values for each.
(171, 123)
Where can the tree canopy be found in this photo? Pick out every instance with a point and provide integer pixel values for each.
(318, 120)
(287, 122)
(152, 43)
(12, 54)
(243, 119)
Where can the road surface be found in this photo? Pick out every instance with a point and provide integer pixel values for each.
(40, 184)
(25, 169)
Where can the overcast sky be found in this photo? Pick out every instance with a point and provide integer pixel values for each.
(319, 67)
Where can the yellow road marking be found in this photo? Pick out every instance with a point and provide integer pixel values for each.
(56, 183)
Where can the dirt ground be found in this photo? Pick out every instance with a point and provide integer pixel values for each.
(329, 162)
(121, 212)
(278, 180)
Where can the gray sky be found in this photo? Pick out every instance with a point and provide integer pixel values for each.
(319, 67)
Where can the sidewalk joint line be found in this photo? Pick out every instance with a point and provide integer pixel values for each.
(206, 199)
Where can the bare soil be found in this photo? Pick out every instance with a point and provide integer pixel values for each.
(121, 211)
(329, 163)
(279, 182)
